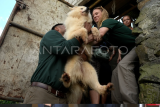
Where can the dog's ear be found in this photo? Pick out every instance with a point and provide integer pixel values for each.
(71, 8)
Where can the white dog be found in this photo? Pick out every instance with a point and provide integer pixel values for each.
(80, 71)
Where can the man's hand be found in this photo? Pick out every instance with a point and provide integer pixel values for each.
(79, 40)
(113, 53)
(88, 26)
(119, 56)
(83, 55)
(90, 38)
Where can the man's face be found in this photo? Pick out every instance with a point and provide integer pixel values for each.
(97, 14)
(63, 29)
(127, 21)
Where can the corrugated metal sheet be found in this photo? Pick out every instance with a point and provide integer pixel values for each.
(20, 49)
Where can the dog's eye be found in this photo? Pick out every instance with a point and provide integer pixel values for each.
(81, 8)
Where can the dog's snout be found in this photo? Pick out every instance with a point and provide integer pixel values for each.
(87, 9)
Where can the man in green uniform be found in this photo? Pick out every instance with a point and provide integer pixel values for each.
(46, 86)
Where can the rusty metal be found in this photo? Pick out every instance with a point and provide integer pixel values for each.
(12, 99)
(21, 4)
(26, 29)
(63, 1)
(7, 24)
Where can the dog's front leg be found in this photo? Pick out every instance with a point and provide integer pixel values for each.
(96, 33)
(82, 32)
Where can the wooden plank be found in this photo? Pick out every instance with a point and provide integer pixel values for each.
(118, 4)
(126, 12)
(94, 4)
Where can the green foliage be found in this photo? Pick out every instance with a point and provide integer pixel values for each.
(7, 102)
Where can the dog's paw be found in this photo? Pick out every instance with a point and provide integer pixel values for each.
(96, 34)
(95, 31)
(104, 89)
(66, 80)
(109, 87)
(78, 37)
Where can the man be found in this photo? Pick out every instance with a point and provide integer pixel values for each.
(46, 86)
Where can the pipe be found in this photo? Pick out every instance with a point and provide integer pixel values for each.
(70, 5)
(7, 24)
(94, 4)
(26, 29)
(12, 99)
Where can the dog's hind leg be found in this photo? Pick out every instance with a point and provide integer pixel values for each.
(90, 78)
(74, 93)
(73, 69)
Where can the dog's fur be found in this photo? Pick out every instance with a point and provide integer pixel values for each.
(80, 71)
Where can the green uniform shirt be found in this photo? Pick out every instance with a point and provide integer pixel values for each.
(54, 50)
(120, 35)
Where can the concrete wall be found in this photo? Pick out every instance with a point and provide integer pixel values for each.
(19, 52)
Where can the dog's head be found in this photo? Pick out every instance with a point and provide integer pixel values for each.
(79, 11)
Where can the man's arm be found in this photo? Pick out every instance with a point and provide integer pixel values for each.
(57, 44)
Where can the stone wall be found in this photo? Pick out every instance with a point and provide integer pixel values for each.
(148, 50)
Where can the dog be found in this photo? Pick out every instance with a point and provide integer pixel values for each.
(79, 71)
